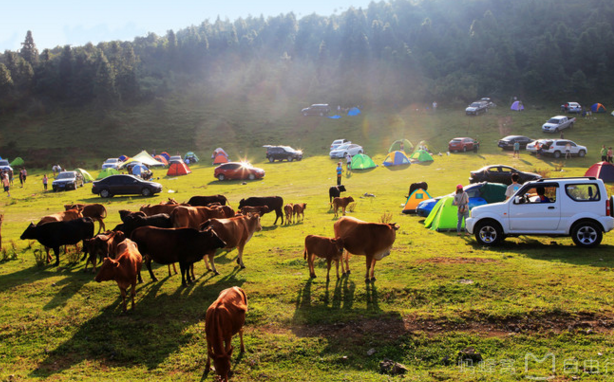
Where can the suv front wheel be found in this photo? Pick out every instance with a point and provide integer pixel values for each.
(488, 232)
(586, 234)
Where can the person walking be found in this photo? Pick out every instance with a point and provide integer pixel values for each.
(45, 181)
(339, 173)
(6, 183)
(516, 150)
(348, 163)
(461, 199)
(604, 153)
(21, 177)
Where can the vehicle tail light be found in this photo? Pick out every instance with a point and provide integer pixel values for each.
(608, 208)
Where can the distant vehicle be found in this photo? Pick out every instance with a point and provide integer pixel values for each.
(175, 158)
(571, 107)
(4, 165)
(463, 144)
(507, 143)
(320, 109)
(112, 163)
(280, 153)
(343, 150)
(237, 170)
(558, 123)
(477, 108)
(500, 174)
(338, 142)
(122, 184)
(67, 180)
(557, 147)
(489, 102)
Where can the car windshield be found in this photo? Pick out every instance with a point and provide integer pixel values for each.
(475, 104)
(65, 175)
(456, 140)
(553, 120)
(4, 162)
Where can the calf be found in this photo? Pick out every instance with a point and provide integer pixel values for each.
(206, 200)
(326, 248)
(275, 203)
(341, 203)
(102, 246)
(124, 270)
(225, 318)
(299, 209)
(96, 212)
(288, 210)
(171, 245)
(55, 234)
(335, 192)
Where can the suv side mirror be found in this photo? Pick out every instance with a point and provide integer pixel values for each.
(517, 200)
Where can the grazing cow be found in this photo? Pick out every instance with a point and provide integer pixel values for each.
(55, 234)
(204, 201)
(156, 209)
(171, 245)
(326, 248)
(288, 210)
(125, 213)
(62, 216)
(236, 232)
(299, 209)
(260, 210)
(414, 186)
(124, 271)
(101, 246)
(95, 211)
(225, 318)
(275, 203)
(373, 240)
(335, 192)
(132, 222)
(193, 217)
(341, 203)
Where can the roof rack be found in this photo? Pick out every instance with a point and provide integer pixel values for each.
(566, 178)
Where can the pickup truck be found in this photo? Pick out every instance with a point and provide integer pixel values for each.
(477, 108)
(558, 123)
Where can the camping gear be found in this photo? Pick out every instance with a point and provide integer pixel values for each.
(353, 111)
(106, 172)
(479, 193)
(17, 162)
(123, 158)
(517, 106)
(334, 116)
(412, 201)
(144, 158)
(220, 156)
(602, 170)
(396, 158)
(421, 156)
(166, 155)
(178, 168)
(161, 159)
(362, 162)
(444, 215)
(191, 157)
(87, 177)
(141, 171)
(396, 145)
(598, 108)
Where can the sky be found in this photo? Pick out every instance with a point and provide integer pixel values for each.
(77, 22)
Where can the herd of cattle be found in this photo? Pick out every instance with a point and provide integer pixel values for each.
(185, 233)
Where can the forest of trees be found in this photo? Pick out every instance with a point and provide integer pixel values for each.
(394, 53)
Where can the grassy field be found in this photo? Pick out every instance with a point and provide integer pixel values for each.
(435, 295)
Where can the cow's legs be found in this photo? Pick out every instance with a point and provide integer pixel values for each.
(310, 260)
(241, 337)
(211, 256)
(123, 293)
(56, 250)
(347, 261)
(240, 257)
(148, 263)
(370, 267)
(328, 263)
(133, 292)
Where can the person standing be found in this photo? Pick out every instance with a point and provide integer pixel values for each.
(21, 177)
(6, 183)
(45, 181)
(568, 150)
(512, 188)
(339, 173)
(610, 154)
(538, 149)
(25, 174)
(461, 199)
(348, 163)
(604, 153)
(516, 150)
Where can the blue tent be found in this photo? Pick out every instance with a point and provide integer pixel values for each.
(517, 105)
(598, 108)
(396, 158)
(334, 117)
(354, 111)
(139, 169)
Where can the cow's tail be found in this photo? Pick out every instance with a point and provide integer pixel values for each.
(305, 254)
(104, 212)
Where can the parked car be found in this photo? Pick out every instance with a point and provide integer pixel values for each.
(557, 147)
(500, 174)
(339, 142)
(112, 163)
(476, 193)
(122, 184)
(577, 207)
(571, 107)
(477, 108)
(489, 102)
(280, 153)
(67, 180)
(558, 123)
(4, 165)
(463, 144)
(343, 150)
(316, 109)
(237, 170)
(507, 143)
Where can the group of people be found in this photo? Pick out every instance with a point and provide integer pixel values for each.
(606, 154)
(7, 179)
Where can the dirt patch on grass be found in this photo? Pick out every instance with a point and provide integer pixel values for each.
(457, 260)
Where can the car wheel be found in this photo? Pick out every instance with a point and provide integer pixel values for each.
(221, 177)
(586, 234)
(251, 177)
(271, 159)
(146, 192)
(105, 193)
(557, 154)
(290, 158)
(488, 232)
(581, 153)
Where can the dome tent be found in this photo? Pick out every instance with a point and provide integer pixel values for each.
(161, 159)
(422, 156)
(598, 108)
(106, 172)
(396, 158)
(602, 170)
(87, 177)
(396, 145)
(414, 199)
(190, 156)
(178, 168)
(362, 162)
(17, 162)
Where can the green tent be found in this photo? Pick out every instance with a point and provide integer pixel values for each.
(422, 156)
(444, 215)
(396, 146)
(17, 162)
(362, 162)
(87, 177)
(106, 172)
(493, 192)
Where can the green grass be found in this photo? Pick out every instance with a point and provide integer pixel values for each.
(435, 295)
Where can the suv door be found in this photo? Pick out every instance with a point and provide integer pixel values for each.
(528, 213)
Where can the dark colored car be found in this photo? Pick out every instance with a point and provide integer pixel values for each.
(237, 170)
(125, 184)
(316, 109)
(507, 143)
(280, 153)
(463, 144)
(500, 174)
(67, 180)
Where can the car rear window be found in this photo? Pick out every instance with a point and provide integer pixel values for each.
(586, 192)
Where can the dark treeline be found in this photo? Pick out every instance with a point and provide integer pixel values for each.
(392, 53)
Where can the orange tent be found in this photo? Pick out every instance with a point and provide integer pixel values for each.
(220, 158)
(178, 168)
(161, 159)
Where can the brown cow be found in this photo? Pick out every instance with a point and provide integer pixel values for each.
(95, 211)
(299, 209)
(226, 209)
(225, 318)
(101, 246)
(193, 217)
(288, 210)
(124, 271)
(260, 210)
(158, 209)
(62, 216)
(373, 240)
(236, 232)
(326, 248)
(341, 203)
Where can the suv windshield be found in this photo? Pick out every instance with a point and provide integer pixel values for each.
(66, 175)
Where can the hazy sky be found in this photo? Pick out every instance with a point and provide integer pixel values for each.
(77, 22)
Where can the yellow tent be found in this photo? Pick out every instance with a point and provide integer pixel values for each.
(414, 199)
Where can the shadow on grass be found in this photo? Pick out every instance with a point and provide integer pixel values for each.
(399, 167)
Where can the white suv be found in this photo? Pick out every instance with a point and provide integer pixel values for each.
(576, 207)
(558, 147)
